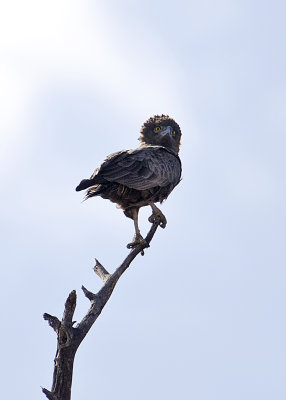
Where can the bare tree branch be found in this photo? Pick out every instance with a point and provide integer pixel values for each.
(49, 394)
(88, 294)
(101, 271)
(69, 310)
(54, 322)
(68, 337)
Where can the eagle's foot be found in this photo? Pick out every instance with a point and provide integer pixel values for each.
(157, 215)
(137, 239)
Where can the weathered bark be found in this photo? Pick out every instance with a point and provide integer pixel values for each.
(68, 337)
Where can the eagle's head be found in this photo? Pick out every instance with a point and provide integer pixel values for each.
(161, 130)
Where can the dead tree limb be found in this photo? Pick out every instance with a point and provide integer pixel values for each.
(69, 337)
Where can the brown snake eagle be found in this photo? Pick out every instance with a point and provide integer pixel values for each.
(142, 176)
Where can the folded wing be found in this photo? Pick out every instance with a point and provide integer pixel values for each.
(142, 168)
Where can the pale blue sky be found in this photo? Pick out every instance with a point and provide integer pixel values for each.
(202, 315)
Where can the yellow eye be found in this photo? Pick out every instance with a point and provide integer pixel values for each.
(157, 128)
(174, 132)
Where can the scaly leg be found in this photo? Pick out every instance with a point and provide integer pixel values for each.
(137, 239)
(157, 214)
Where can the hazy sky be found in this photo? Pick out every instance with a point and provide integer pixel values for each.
(202, 315)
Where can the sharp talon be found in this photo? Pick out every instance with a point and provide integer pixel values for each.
(158, 216)
(138, 239)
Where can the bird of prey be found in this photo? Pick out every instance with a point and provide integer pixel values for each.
(142, 176)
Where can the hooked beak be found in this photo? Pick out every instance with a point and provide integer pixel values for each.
(166, 130)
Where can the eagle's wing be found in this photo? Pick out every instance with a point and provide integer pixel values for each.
(142, 168)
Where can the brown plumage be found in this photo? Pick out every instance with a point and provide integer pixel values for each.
(142, 176)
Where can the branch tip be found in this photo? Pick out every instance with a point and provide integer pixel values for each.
(101, 271)
(91, 296)
(49, 394)
(54, 322)
(71, 300)
(70, 305)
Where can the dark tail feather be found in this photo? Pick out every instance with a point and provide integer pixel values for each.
(95, 190)
(84, 184)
